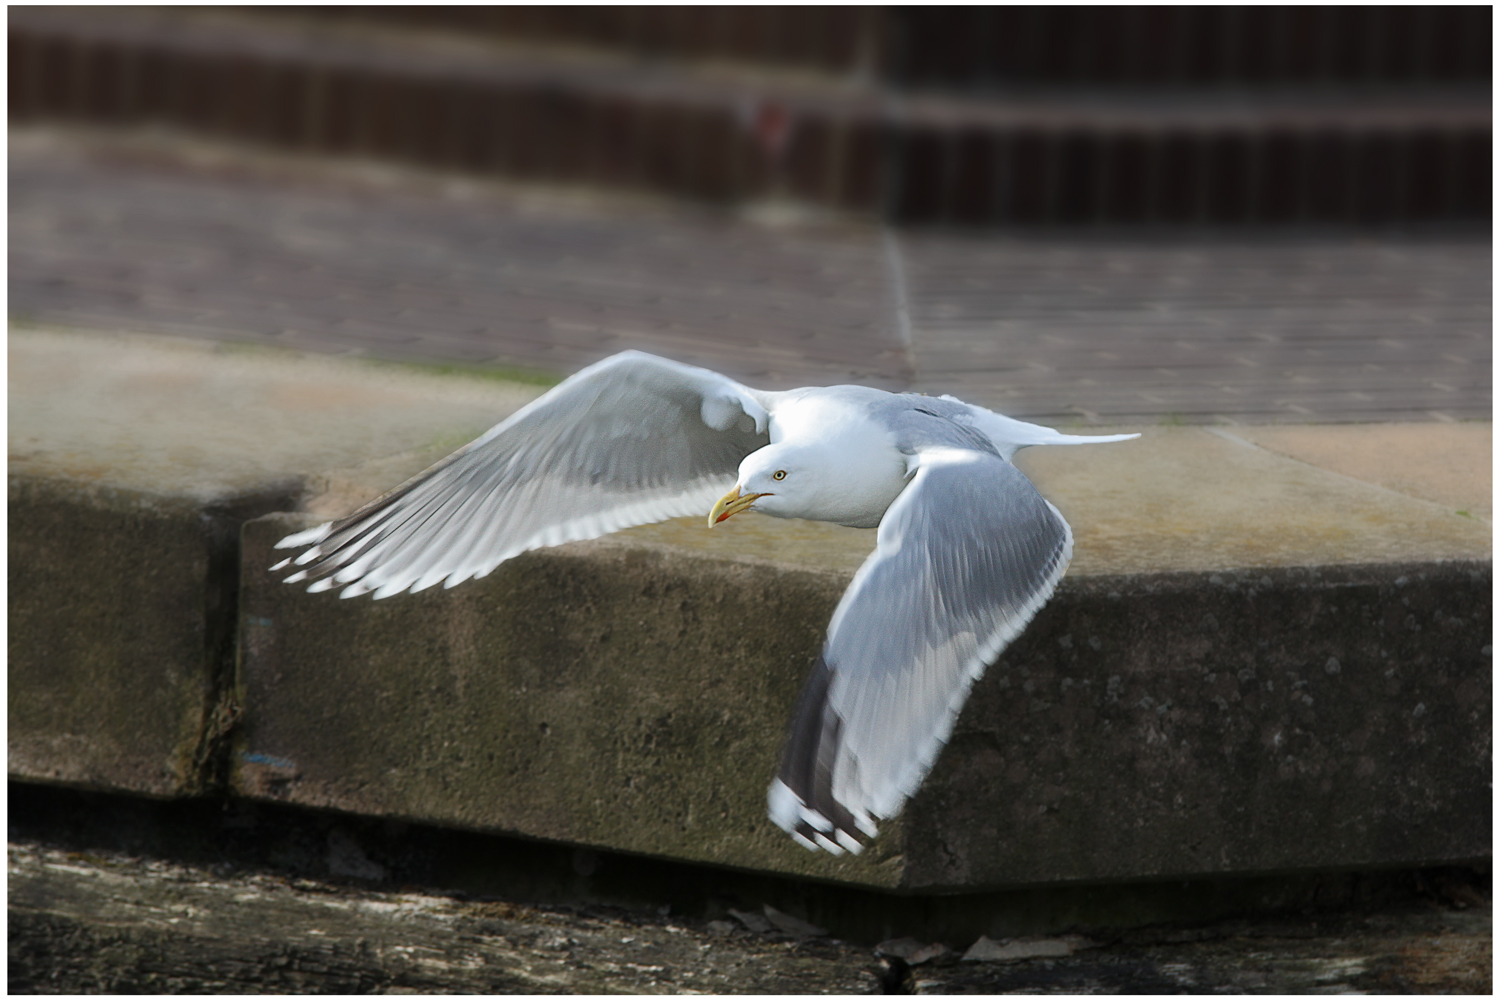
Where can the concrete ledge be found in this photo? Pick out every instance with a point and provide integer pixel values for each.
(1206, 723)
(1257, 664)
(121, 632)
(133, 462)
(633, 698)
(601, 693)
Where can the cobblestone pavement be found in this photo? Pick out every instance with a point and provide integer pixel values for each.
(99, 922)
(160, 235)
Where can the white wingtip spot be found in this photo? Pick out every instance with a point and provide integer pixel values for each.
(782, 805)
(318, 587)
(815, 819)
(827, 844)
(848, 843)
(296, 577)
(309, 556)
(281, 565)
(803, 841)
(308, 537)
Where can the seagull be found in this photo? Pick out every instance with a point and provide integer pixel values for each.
(967, 549)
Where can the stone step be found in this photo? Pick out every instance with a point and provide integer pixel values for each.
(206, 240)
(1271, 653)
(1341, 155)
(985, 47)
(823, 40)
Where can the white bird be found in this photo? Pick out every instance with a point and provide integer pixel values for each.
(967, 549)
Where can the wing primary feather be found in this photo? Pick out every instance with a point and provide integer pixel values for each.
(622, 442)
(806, 772)
(422, 539)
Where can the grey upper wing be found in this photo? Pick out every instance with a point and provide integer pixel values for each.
(967, 555)
(629, 440)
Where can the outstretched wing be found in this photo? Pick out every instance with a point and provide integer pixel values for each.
(630, 440)
(967, 554)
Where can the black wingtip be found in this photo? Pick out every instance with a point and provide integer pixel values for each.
(801, 798)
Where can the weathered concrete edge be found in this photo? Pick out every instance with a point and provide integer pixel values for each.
(209, 527)
(210, 761)
(1372, 785)
(923, 878)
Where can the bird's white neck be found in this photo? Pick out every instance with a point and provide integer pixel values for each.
(857, 478)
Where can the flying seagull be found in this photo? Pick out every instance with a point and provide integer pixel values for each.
(967, 549)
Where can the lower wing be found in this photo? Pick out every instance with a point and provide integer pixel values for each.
(967, 555)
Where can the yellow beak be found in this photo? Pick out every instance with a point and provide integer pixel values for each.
(731, 504)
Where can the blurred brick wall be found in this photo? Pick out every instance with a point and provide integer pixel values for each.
(961, 116)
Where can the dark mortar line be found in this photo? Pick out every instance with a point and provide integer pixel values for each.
(223, 832)
(221, 523)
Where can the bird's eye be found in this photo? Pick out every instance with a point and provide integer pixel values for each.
(779, 475)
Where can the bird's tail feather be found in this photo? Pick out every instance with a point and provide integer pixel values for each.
(1010, 435)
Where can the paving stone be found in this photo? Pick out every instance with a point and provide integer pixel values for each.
(1448, 465)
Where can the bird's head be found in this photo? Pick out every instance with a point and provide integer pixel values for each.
(772, 481)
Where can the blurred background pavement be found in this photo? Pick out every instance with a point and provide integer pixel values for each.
(1078, 215)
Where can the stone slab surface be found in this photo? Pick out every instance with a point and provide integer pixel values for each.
(1191, 499)
(200, 421)
(1449, 465)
